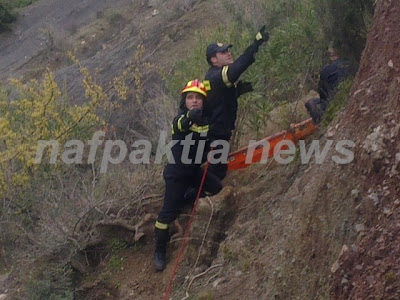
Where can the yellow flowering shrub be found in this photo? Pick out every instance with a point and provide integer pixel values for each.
(36, 111)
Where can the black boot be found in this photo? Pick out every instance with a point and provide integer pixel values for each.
(159, 259)
(314, 109)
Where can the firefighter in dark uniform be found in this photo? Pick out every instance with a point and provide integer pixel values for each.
(224, 88)
(185, 171)
(330, 76)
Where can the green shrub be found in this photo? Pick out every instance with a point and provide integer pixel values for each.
(7, 13)
(338, 101)
(6, 16)
(288, 66)
(292, 56)
(346, 24)
(17, 3)
(45, 289)
(23, 3)
(50, 281)
(116, 245)
(115, 262)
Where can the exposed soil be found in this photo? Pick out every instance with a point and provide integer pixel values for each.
(301, 231)
(369, 268)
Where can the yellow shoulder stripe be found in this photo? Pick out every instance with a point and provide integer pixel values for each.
(199, 129)
(225, 78)
(180, 123)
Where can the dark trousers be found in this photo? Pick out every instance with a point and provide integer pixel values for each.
(219, 169)
(316, 107)
(178, 179)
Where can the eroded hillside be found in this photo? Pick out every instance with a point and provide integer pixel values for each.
(301, 231)
(312, 231)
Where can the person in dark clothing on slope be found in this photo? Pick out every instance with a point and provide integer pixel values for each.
(189, 129)
(330, 76)
(224, 89)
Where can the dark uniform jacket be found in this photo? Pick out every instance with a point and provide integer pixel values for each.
(181, 127)
(180, 177)
(331, 75)
(222, 96)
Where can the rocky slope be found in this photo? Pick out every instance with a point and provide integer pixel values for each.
(301, 231)
(324, 231)
(369, 267)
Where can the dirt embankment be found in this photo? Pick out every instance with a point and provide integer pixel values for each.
(371, 266)
(302, 231)
(312, 231)
(326, 231)
(330, 231)
(43, 25)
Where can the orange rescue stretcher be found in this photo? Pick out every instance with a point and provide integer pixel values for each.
(299, 131)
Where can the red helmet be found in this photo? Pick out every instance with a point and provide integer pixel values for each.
(195, 86)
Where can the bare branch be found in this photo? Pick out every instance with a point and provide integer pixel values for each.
(199, 275)
(123, 224)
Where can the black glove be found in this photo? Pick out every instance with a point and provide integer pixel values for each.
(195, 115)
(243, 87)
(262, 36)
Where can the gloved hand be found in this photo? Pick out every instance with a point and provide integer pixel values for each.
(262, 36)
(243, 87)
(195, 115)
